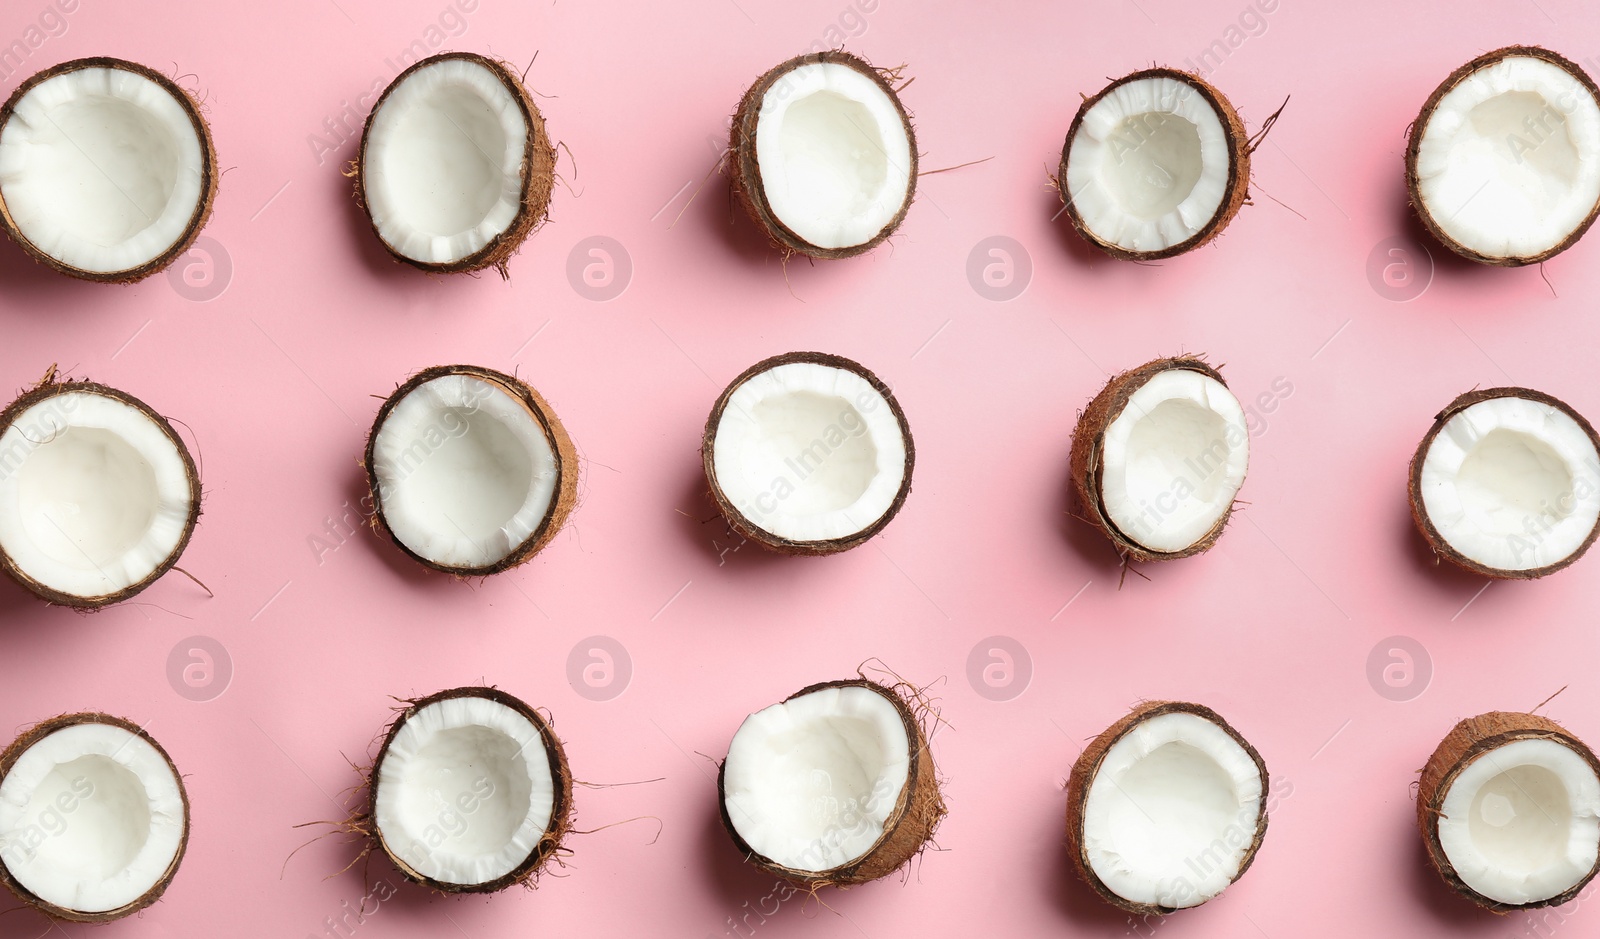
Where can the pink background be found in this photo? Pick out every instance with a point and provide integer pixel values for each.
(277, 378)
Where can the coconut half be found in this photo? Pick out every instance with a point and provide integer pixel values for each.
(455, 167)
(1509, 809)
(1156, 164)
(98, 494)
(94, 819)
(469, 469)
(1166, 808)
(107, 170)
(1158, 458)
(1503, 163)
(833, 785)
(471, 792)
(824, 158)
(808, 453)
(1506, 483)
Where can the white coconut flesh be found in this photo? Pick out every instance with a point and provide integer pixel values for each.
(94, 495)
(91, 818)
(1521, 823)
(464, 791)
(1509, 160)
(1174, 459)
(466, 473)
(1171, 813)
(444, 161)
(1148, 167)
(809, 452)
(810, 783)
(1512, 484)
(833, 153)
(101, 169)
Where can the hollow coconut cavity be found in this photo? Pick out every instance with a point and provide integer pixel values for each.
(94, 819)
(808, 453)
(1156, 164)
(1166, 808)
(1158, 458)
(1509, 809)
(98, 494)
(1506, 483)
(833, 785)
(470, 792)
(1503, 163)
(455, 167)
(823, 155)
(469, 469)
(107, 170)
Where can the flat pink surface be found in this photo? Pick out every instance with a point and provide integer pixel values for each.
(277, 379)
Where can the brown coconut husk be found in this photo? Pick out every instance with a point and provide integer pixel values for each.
(50, 387)
(918, 809)
(550, 844)
(1087, 768)
(1466, 742)
(566, 488)
(1234, 197)
(1088, 458)
(1419, 513)
(746, 171)
(538, 172)
(208, 174)
(1419, 126)
(38, 732)
(747, 527)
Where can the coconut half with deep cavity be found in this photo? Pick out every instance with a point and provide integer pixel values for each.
(469, 470)
(1506, 484)
(823, 155)
(808, 453)
(94, 819)
(1166, 808)
(1155, 164)
(471, 792)
(1503, 162)
(1509, 810)
(107, 170)
(98, 494)
(1158, 458)
(455, 168)
(832, 785)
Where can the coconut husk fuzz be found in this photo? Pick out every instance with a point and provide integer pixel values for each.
(1088, 458)
(208, 174)
(38, 732)
(50, 387)
(1087, 768)
(550, 844)
(748, 528)
(916, 815)
(746, 171)
(566, 488)
(1420, 125)
(1466, 742)
(1233, 198)
(1419, 513)
(538, 172)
